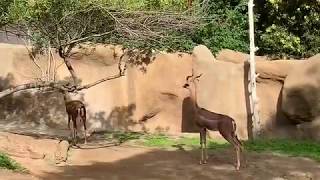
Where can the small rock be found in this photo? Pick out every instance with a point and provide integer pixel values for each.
(278, 178)
(299, 174)
(61, 153)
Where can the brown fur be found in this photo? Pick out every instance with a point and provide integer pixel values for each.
(76, 111)
(207, 120)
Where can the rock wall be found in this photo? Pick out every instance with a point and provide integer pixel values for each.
(221, 88)
(272, 75)
(150, 97)
(148, 100)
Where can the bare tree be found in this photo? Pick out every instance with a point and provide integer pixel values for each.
(256, 127)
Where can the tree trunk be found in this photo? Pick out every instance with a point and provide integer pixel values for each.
(256, 126)
(71, 70)
(189, 4)
(64, 55)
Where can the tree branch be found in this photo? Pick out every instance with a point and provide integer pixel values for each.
(99, 81)
(65, 87)
(121, 73)
(33, 58)
(34, 85)
(63, 54)
(86, 38)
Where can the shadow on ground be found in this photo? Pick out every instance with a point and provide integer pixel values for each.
(135, 163)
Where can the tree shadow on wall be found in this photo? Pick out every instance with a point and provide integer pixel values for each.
(139, 59)
(39, 112)
(120, 118)
(33, 112)
(31, 108)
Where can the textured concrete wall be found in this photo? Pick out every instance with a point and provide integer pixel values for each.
(152, 100)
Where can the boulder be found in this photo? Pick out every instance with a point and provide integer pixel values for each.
(272, 74)
(301, 95)
(235, 57)
(309, 130)
(202, 53)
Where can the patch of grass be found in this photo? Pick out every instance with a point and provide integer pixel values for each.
(163, 141)
(158, 140)
(7, 163)
(296, 148)
(122, 137)
(288, 147)
(182, 142)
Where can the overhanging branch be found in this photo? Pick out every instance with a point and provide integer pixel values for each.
(35, 85)
(98, 82)
(76, 41)
(63, 87)
(120, 74)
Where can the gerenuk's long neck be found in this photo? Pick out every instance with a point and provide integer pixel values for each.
(193, 96)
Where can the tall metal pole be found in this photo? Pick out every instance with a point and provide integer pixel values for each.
(256, 126)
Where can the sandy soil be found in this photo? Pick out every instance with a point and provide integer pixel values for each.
(127, 162)
(8, 175)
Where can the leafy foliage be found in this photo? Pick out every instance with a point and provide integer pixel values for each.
(59, 22)
(283, 27)
(278, 39)
(4, 8)
(226, 27)
(288, 28)
(169, 5)
(63, 24)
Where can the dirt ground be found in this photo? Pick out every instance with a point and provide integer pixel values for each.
(129, 162)
(8, 175)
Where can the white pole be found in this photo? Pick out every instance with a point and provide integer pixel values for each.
(252, 76)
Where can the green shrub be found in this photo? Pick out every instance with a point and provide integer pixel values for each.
(279, 42)
(7, 163)
(283, 27)
(296, 23)
(227, 27)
